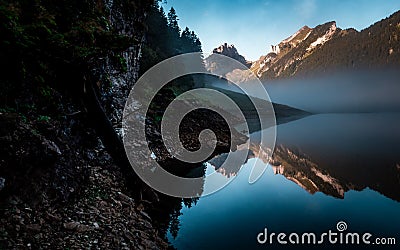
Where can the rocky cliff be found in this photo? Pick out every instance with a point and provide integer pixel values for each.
(125, 23)
(68, 67)
(231, 51)
(215, 65)
(285, 56)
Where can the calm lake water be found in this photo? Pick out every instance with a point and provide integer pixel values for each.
(328, 168)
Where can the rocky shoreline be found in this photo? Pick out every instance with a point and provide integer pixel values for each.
(62, 189)
(102, 216)
(60, 185)
(62, 193)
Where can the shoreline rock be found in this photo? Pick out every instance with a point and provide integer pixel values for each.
(79, 199)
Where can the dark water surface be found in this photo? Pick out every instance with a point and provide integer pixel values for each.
(328, 168)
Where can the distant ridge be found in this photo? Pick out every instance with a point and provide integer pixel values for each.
(325, 49)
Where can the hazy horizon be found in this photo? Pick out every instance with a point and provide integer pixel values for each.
(342, 92)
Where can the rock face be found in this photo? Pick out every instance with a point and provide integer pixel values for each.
(285, 56)
(215, 65)
(231, 51)
(59, 188)
(114, 98)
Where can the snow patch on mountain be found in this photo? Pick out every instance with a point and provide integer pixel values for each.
(308, 34)
(296, 38)
(263, 64)
(322, 40)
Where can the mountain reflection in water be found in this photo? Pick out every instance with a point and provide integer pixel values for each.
(335, 153)
(346, 163)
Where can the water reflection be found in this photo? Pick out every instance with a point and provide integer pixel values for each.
(327, 160)
(332, 157)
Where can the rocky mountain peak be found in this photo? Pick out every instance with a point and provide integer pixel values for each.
(293, 50)
(294, 40)
(231, 51)
(330, 29)
(325, 48)
(225, 48)
(298, 36)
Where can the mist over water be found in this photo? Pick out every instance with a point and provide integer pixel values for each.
(326, 167)
(350, 92)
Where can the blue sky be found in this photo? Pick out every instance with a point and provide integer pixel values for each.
(253, 25)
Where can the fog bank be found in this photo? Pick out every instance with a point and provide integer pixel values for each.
(349, 92)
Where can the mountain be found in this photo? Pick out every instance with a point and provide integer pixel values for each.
(327, 48)
(231, 51)
(291, 52)
(312, 174)
(215, 65)
(286, 55)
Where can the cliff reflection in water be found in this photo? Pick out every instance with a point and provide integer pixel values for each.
(333, 154)
(348, 165)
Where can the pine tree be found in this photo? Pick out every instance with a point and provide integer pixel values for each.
(173, 21)
(165, 40)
